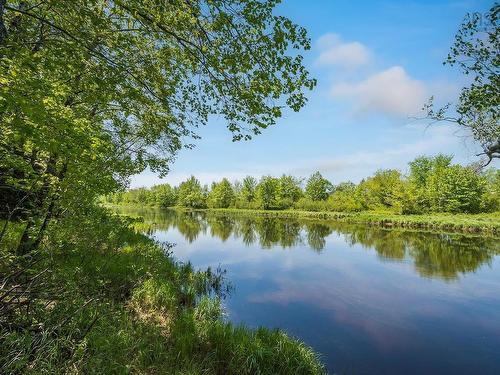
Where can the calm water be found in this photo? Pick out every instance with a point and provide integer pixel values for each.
(369, 300)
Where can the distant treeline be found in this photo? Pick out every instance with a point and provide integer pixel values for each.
(433, 184)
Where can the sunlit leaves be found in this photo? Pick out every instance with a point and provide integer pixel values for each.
(111, 88)
(476, 52)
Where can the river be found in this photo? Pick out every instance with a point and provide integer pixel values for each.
(368, 300)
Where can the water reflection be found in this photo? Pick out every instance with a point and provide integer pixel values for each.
(369, 300)
(433, 255)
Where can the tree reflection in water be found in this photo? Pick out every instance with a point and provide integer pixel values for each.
(440, 255)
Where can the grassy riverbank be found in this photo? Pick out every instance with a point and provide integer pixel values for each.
(486, 223)
(100, 298)
(478, 223)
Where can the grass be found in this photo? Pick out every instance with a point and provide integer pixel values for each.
(105, 299)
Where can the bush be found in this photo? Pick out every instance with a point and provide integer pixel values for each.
(343, 201)
(307, 204)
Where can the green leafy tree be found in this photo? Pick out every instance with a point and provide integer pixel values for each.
(433, 184)
(221, 195)
(345, 198)
(438, 186)
(267, 193)
(422, 170)
(248, 190)
(384, 190)
(475, 52)
(164, 195)
(93, 92)
(191, 194)
(318, 188)
(347, 187)
(490, 201)
(423, 167)
(289, 191)
(456, 189)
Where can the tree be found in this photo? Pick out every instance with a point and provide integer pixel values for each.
(456, 189)
(93, 92)
(190, 194)
(221, 195)
(422, 170)
(248, 187)
(490, 200)
(383, 190)
(346, 198)
(438, 186)
(424, 166)
(267, 192)
(318, 188)
(475, 51)
(433, 184)
(345, 187)
(164, 195)
(289, 191)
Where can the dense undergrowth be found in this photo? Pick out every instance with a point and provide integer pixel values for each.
(99, 298)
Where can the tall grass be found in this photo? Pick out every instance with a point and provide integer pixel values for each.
(104, 299)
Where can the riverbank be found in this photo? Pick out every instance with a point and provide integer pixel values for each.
(299, 273)
(486, 223)
(104, 298)
(478, 223)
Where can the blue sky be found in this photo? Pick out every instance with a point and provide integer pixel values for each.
(376, 63)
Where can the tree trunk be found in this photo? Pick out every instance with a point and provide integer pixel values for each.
(3, 29)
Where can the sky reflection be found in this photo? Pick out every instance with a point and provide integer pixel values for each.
(369, 300)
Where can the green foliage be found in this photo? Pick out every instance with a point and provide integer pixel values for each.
(266, 194)
(421, 170)
(105, 299)
(289, 191)
(221, 195)
(433, 184)
(456, 189)
(164, 195)
(94, 92)
(345, 198)
(247, 193)
(382, 191)
(438, 186)
(190, 194)
(345, 201)
(318, 188)
(422, 167)
(307, 204)
(490, 201)
(475, 52)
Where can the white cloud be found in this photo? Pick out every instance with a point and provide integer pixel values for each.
(391, 91)
(344, 54)
(423, 140)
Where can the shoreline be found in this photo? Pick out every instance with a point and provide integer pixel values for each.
(484, 224)
(150, 312)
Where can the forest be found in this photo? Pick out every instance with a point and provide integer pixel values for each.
(433, 185)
